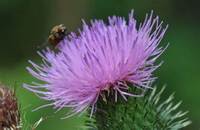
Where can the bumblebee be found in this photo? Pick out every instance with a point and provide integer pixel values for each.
(57, 34)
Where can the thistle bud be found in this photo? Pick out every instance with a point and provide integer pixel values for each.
(9, 112)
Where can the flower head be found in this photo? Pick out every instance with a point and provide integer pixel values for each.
(102, 57)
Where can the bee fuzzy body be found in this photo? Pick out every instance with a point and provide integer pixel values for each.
(57, 34)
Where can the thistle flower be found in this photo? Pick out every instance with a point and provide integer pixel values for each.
(9, 112)
(102, 57)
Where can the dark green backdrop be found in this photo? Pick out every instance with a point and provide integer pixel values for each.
(25, 25)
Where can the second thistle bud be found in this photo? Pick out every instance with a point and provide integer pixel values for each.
(9, 112)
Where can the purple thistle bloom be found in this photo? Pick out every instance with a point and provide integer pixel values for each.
(103, 56)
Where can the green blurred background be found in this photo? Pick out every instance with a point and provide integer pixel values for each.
(25, 25)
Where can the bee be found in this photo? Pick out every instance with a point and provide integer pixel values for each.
(57, 34)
